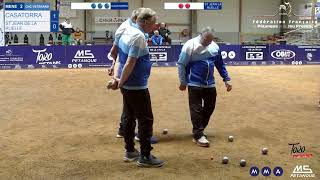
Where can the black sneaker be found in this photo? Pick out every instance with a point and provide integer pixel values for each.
(150, 161)
(131, 156)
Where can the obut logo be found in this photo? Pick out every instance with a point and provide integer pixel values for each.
(283, 54)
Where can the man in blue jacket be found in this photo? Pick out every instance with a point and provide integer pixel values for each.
(156, 39)
(196, 64)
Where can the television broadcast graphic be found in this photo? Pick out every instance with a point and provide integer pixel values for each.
(194, 89)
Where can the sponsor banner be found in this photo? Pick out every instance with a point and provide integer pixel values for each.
(16, 57)
(309, 54)
(163, 53)
(32, 57)
(254, 52)
(46, 56)
(87, 56)
(284, 53)
(230, 52)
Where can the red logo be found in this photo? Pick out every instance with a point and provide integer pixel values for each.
(298, 151)
(187, 6)
(180, 5)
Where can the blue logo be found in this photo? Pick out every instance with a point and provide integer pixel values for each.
(100, 6)
(278, 171)
(93, 5)
(254, 171)
(106, 6)
(266, 171)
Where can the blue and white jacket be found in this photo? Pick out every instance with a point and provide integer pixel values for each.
(121, 29)
(132, 43)
(196, 64)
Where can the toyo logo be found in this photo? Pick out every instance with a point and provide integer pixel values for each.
(42, 56)
(283, 54)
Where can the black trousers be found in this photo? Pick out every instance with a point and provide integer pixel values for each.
(137, 105)
(121, 128)
(202, 102)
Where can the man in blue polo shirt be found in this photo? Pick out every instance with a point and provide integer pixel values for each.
(133, 73)
(196, 64)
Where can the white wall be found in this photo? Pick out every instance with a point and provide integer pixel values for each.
(253, 8)
(225, 21)
(298, 7)
(177, 20)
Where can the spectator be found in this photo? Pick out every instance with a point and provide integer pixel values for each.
(67, 30)
(78, 36)
(50, 39)
(7, 38)
(15, 39)
(26, 39)
(164, 32)
(184, 36)
(59, 39)
(157, 40)
(41, 40)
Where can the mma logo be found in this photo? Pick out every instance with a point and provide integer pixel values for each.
(266, 171)
(254, 55)
(302, 171)
(158, 56)
(83, 54)
(230, 55)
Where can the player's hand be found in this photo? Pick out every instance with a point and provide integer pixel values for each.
(228, 86)
(113, 84)
(182, 87)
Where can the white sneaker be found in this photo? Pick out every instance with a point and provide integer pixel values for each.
(137, 138)
(119, 136)
(203, 142)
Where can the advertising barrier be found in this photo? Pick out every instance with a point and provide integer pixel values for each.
(29, 57)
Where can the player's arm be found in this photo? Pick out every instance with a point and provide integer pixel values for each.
(114, 52)
(184, 59)
(135, 48)
(112, 55)
(116, 69)
(221, 67)
(127, 70)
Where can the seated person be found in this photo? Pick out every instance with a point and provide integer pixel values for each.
(164, 32)
(157, 40)
(77, 36)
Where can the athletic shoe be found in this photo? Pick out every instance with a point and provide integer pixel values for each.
(153, 139)
(119, 136)
(150, 161)
(203, 142)
(131, 156)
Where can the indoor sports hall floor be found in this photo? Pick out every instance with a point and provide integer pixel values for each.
(61, 124)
